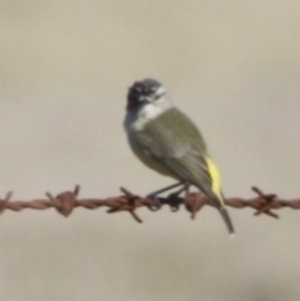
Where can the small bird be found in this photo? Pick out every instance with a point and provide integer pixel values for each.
(167, 141)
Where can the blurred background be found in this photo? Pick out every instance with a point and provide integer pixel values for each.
(65, 67)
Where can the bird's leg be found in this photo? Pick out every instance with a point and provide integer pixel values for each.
(160, 191)
(185, 188)
(154, 194)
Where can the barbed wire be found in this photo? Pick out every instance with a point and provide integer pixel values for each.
(67, 201)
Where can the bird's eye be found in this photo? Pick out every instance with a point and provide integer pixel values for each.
(138, 89)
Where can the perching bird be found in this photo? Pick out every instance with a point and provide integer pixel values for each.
(166, 140)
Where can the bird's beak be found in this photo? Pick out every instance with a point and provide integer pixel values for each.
(145, 99)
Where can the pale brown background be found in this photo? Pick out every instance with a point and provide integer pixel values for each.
(65, 66)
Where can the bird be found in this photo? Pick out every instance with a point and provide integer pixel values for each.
(166, 140)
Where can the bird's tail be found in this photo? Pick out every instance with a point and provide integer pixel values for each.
(218, 200)
(214, 193)
(225, 215)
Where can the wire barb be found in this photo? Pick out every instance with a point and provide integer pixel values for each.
(268, 199)
(65, 203)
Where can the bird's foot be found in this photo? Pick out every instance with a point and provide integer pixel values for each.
(156, 202)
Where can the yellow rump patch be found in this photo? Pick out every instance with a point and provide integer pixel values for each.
(215, 176)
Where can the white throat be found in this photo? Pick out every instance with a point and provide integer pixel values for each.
(146, 113)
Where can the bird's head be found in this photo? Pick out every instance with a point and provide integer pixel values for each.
(143, 93)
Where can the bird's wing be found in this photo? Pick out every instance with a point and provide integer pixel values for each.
(186, 159)
(181, 156)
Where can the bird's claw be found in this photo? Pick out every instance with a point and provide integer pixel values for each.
(156, 202)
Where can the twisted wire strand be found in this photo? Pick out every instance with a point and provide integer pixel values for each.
(67, 201)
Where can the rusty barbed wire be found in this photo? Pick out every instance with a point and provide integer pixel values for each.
(67, 201)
